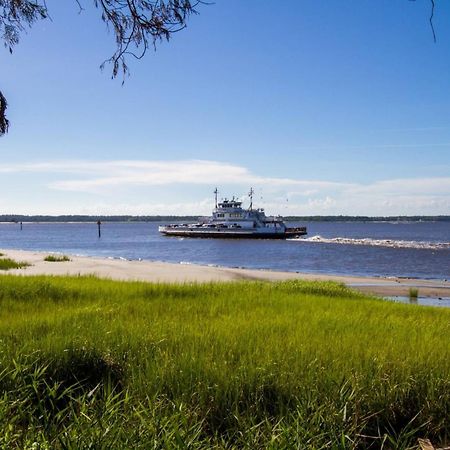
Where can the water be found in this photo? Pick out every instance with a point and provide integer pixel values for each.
(416, 249)
(443, 302)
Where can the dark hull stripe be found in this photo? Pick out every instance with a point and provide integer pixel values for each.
(231, 234)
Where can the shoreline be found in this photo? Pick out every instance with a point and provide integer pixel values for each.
(152, 271)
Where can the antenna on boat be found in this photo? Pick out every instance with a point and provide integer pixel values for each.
(215, 193)
(250, 194)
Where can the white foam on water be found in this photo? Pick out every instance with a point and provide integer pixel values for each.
(376, 242)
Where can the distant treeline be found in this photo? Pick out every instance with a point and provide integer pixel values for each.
(85, 218)
(368, 218)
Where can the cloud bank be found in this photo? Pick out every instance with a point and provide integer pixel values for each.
(281, 195)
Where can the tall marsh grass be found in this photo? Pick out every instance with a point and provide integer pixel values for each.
(57, 258)
(8, 263)
(89, 363)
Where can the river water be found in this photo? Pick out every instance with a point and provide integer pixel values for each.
(412, 249)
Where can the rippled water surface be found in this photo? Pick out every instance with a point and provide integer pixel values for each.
(417, 249)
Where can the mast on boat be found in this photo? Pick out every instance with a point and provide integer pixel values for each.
(250, 194)
(215, 193)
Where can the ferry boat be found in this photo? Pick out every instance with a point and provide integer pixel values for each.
(230, 220)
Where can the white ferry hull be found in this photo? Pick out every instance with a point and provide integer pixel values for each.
(232, 234)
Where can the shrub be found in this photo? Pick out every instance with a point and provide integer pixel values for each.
(8, 263)
(56, 258)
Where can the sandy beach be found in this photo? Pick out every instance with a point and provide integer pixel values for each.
(120, 269)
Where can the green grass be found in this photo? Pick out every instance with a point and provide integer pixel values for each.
(88, 363)
(8, 263)
(56, 258)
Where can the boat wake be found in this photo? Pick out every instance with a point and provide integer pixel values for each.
(376, 242)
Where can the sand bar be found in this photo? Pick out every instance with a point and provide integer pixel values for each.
(120, 269)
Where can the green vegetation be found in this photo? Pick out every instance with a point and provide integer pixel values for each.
(8, 263)
(368, 218)
(56, 258)
(127, 218)
(413, 293)
(84, 218)
(89, 363)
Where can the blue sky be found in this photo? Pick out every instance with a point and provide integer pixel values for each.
(324, 107)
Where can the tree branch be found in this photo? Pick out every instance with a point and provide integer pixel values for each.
(137, 23)
(431, 20)
(4, 124)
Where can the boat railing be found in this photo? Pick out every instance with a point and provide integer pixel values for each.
(300, 230)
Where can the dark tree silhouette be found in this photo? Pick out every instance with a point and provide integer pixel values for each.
(136, 24)
(4, 124)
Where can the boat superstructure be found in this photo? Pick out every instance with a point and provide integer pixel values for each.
(230, 220)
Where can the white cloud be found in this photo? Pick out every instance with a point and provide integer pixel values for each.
(100, 174)
(280, 195)
(417, 186)
(201, 207)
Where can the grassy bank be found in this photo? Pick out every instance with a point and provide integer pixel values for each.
(88, 363)
(57, 258)
(8, 263)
